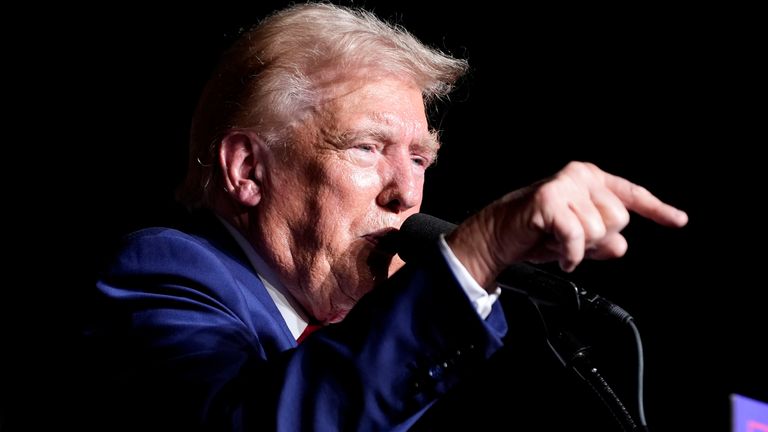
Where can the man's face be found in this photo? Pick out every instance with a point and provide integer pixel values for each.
(354, 171)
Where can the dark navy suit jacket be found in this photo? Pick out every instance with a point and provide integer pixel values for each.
(188, 338)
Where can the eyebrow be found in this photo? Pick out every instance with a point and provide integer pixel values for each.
(379, 128)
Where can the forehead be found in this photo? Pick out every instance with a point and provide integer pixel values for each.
(385, 102)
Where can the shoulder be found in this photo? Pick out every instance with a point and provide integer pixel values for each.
(159, 242)
(162, 235)
(193, 232)
(164, 263)
(169, 251)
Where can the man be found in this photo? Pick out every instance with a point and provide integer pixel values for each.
(308, 147)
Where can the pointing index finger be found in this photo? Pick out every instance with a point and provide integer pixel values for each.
(641, 201)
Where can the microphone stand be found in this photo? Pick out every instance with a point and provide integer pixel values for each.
(574, 354)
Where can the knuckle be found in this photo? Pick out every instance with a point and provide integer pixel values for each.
(619, 246)
(598, 231)
(622, 218)
(572, 234)
(547, 192)
(580, 169)
(638, 191)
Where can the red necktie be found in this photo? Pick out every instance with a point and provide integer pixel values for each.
(308, 331)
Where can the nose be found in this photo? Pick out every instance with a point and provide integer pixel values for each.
(403, 183)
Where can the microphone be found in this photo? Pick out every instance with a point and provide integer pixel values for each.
(420, 232)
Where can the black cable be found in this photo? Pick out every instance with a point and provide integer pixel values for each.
(640, 372)
(599, 304)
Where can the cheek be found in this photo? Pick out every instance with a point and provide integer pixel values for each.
(350, 191)
(364, 179)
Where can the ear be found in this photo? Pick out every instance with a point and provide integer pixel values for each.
(241, 158)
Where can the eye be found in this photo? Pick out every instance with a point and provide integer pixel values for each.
(364, 154)
(368, 148)
(420, 161)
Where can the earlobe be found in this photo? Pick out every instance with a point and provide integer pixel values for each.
(241, 158)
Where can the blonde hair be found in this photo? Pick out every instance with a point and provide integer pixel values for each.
(268, 78)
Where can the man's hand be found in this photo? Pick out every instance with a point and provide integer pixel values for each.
(578, 213)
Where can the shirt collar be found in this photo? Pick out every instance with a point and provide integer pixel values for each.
(291, 312)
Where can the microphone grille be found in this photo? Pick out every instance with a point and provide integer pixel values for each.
(418, 235)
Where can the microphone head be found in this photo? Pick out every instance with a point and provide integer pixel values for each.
(418, 235)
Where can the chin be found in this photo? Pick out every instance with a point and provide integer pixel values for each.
(339, 313)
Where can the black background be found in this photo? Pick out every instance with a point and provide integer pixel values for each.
(668, 97)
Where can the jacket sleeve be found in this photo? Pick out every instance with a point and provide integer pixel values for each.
(191, 350)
